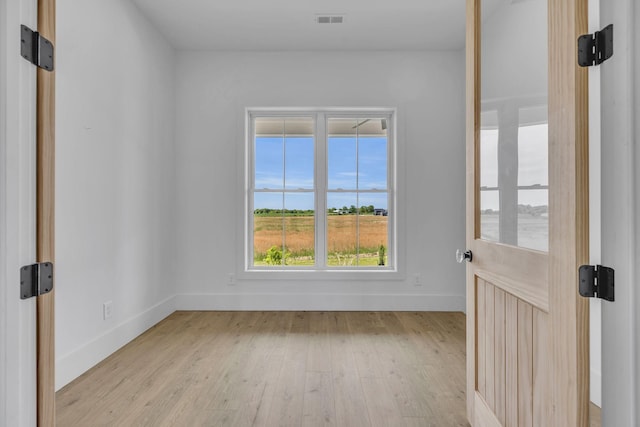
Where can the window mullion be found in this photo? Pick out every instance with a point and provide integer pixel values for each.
(284, 186)
(321, 190)
(357, 193)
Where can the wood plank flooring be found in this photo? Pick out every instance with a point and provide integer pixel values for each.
(279, 369)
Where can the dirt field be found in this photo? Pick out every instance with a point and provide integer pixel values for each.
(341, 242)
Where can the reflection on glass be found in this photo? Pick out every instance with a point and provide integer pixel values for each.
(513, 125)
(533, 185)
(489, 194)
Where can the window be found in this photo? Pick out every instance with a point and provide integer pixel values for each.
(320, 190)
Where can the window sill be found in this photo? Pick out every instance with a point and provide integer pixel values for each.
(322, 275)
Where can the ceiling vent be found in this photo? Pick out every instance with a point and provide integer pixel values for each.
(329, 19)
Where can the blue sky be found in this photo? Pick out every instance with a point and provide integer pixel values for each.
(295, 170)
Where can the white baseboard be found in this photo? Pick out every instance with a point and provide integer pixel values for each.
(320, 302)
(595, 388)
(70, 366)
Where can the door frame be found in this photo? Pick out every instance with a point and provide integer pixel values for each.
(17, 216)
(569, 219)
(45, 218)
(620, 135)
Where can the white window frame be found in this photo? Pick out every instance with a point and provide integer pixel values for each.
(321, 270)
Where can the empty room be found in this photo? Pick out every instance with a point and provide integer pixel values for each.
(285, 213)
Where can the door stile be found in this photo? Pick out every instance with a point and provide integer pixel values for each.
(472, 206)
(568, 210)
(45, 220)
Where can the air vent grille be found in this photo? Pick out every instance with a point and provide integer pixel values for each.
(329, 19)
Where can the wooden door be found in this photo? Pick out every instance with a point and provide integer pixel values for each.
(527, 348)
(45, 223)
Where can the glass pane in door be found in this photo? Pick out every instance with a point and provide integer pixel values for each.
(514, 184)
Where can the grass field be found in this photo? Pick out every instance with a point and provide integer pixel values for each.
(352, 239)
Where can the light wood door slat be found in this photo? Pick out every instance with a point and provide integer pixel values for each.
(540, 368)
(499, 355)
(511, 361)
(489, 302)
(525, 364)
(481, 337)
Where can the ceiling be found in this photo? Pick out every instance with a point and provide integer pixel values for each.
(291, 24)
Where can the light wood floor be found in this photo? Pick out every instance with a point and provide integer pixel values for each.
(279, 369)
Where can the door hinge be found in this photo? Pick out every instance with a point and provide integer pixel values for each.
(596, 281)
(594, 49)
(36, 279)
(36, 49)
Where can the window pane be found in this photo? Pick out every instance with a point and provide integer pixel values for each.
(342, 239)
(533, 219)
(284, 153)
(269, 163)
(299, 169)
(299, 235)
(268, 228)
(373, 230)
(342, 156)
(372, 155)
(489, 194)
(513, 125)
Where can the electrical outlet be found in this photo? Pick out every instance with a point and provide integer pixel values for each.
(231, 279)
(107, 310)
(417, 280)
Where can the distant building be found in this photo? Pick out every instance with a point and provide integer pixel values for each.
(380, 212)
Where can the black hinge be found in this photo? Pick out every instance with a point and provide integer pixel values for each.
(36, 279)
(596, 281)
(594, 49)
(35, 48)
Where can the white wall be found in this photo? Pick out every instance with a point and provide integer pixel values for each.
(115, 180)
(213, 90)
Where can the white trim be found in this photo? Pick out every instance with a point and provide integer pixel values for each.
(4, 307)
(320, 302)
(75, 363)
(595, 222)
(595, 391)
(620, 97)
(17, 217)
(320, 190)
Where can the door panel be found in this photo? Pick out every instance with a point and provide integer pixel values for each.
(527, 344)
(512, 376)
